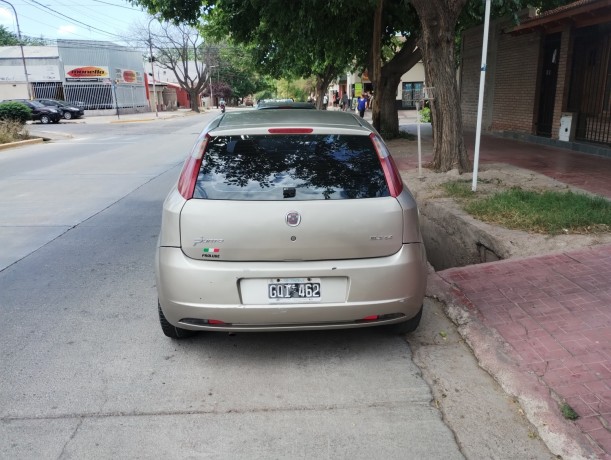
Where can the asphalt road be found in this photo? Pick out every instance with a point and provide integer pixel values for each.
(86, 372)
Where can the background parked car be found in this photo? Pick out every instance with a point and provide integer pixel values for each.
(283, 104)
(40, 112)
(67, 110)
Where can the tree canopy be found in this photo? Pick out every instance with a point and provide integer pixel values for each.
(324, 38)
(8, 38)
(309, 38)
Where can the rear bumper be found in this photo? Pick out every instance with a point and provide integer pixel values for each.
(193, 291)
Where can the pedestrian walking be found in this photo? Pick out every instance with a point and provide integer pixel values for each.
(361, 105)
(325, 102)
(345, 102)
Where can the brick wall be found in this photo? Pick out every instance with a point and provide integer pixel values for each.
(517, 74)
(471, 55)
(511, 79)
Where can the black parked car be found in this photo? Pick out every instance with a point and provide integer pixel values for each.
(67, 110)
(40, 112)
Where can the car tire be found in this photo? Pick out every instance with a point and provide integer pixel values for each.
(67, 115)
(406, 326)
(170, 331)
(45, 120)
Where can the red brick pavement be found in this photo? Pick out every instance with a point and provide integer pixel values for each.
(588, 172)
(555, 313)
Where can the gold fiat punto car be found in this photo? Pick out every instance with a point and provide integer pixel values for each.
(287, 220)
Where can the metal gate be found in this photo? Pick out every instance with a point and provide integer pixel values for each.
(590, 91)
(95, 96)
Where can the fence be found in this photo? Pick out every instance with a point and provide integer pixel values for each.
(95, 96)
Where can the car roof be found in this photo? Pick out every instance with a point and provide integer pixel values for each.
(266, 105)
(49, 99)
(322, 121)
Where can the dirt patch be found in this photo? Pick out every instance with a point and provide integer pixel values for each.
(445, 218)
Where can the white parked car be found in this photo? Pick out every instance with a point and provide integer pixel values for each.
(286, 220)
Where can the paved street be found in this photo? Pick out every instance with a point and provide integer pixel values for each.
(87, 373)
(85, 354)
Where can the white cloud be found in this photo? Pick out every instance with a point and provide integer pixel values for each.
(63, 31)
(6, 17)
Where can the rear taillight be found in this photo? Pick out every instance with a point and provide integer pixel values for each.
(391, 172)
(371, 318)
(190, 170)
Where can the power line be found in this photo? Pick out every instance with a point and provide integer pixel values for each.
(118, 6)
(75, 21)
(48, 25)
(91, 12)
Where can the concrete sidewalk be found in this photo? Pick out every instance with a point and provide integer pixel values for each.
(136, 117)
(540, 325)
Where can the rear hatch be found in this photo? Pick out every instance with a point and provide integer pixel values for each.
(290, 197)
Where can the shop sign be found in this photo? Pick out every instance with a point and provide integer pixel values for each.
(86, 73)
(358, 89)
(128, 76)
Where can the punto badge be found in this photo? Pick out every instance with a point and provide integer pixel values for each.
(293, 219)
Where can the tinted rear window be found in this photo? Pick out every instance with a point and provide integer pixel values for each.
(290, 167)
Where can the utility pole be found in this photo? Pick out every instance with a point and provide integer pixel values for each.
(25, 69)
(153, 68)
(211, 95)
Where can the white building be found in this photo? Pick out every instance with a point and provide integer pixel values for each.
(97, 75)
(408, 91)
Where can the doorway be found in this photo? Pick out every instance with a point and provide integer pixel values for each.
(549, 77)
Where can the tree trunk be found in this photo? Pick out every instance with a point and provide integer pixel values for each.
(376, 77)
(322, 84)
(385, 118)
(193, 100)
(320, 91)
(438, 20)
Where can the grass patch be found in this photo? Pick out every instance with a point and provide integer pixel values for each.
(12, 131)
(458, 189)
(549, 212)
(568, 412)
(461, 189)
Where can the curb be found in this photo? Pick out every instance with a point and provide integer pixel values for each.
(494, 356)
(168, 117)
(10, 145)
(143, 120)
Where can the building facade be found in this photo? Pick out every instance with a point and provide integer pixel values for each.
(408, 92)
(95, 75)
(549, 76)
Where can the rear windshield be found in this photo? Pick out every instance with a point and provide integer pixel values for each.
(290, 167)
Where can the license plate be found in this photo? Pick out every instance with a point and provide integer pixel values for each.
(293, 290)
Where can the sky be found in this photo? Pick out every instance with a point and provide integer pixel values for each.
(105, 20)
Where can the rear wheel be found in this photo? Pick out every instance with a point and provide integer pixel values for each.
(170, 331)
(406, 326)
(45, 120)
